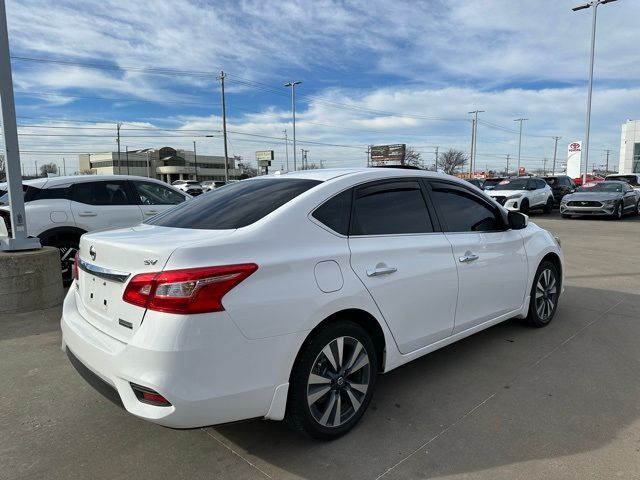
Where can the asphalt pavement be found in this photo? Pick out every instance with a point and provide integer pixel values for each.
(511, 402)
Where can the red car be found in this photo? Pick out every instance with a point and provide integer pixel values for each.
(590, 179)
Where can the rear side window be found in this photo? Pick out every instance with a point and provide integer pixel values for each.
(235, 205)
(54, 193)
(462, 211)
(101, 193)
(390, 209)
(336, 212)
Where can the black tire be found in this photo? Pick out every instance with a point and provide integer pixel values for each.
(548, 208)
(544, 295)
(313, 399)
(636, 212)
(524, 206)
(68, 246)
(566, 215)
(618, 213)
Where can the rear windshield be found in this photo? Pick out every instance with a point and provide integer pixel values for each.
(235, 205)
(630, 179)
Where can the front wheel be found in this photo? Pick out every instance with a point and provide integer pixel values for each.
(548, 208)
(67, 248)
(524, 206)
(619, 211)
(332, 382)
(544, 295)
(636, 212)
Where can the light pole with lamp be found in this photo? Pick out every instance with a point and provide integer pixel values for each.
(293, 116)
(585, 148)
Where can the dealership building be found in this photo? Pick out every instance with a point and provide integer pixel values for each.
(166, 164)
(630, 147)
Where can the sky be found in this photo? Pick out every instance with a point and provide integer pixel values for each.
(373, 72)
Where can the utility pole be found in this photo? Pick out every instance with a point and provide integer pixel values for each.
(368, 155)
(473, 133)
(286, 147)
(475, 138)
(436, 165)
(221, 77)
(303, 158)
(19, 239)
(585, 148)
(506, 173)
(148, 165)
(607, 167)
(36, 163)
(520, 140)
(293, 116)
(544, 166)
(555, 150)
(64, 167)
(127, 158)
(195, 160)
(118, 125)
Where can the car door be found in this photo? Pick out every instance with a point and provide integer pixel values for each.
(103, 204)
(538, 192)
(629, 198)
(491, 260)
(155, 198)
(403, 261)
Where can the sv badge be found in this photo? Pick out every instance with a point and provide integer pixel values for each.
(150, 262)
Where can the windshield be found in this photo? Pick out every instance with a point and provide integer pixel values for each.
(515, 184)
(235, 205)
(492, 181)
(602, 187)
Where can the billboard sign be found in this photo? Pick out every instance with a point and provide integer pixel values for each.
(574, 159)
(264, 155)
(381, 154)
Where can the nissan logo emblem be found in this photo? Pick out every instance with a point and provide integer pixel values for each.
(92, 252)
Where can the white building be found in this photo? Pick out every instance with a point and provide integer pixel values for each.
(166, 164)
(630, 147)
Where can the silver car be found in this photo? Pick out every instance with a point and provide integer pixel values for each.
(609, 198)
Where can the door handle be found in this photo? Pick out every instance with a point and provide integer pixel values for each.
(151, 212)
(468, 257)
(87, 214)
(376, 272)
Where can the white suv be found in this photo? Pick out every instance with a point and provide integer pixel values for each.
(60, 209)
(523, 194)
(285, 296)
(192, 187)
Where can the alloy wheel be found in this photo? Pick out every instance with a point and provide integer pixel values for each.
(546, 294)
(338, 381)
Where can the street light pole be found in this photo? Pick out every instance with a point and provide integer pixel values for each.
(555, 150)
(195, 159)
(474, 151)
(286, 147)
(293, 116)
(520, 140)
(19, 239)
(221, 77)
(585, 148)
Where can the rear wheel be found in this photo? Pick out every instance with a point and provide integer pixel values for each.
(67, 247)
(524, 206)
(332, 382)
(548, 208)
(636, 212)
(544, 295)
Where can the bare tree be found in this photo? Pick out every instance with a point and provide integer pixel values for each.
(311, 166)
(452, 161)
(412, 157)
(48, 168)
(246, 171)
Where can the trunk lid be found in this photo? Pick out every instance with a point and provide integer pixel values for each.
(109, 259)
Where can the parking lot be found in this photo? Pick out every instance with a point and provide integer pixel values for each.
(510, 402)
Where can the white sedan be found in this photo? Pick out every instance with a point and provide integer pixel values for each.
(283, 297)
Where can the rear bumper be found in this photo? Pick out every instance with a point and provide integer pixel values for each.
(202, 364)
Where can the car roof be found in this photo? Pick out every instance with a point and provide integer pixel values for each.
(71, 179)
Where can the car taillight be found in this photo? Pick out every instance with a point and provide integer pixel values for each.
(76, 262)
(193, 290)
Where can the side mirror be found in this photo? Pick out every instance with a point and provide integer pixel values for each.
(517, 220)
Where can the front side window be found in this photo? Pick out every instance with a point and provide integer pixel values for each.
(390, 209)
(101, 193)
(462, 211)
(153, 194)
(234, 206)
